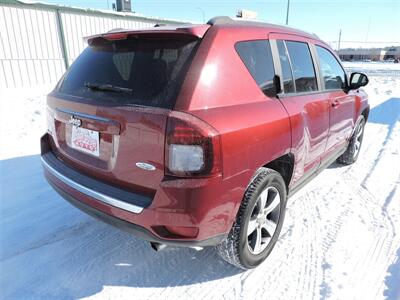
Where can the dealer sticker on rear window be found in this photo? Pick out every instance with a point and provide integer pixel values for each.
(85, 140)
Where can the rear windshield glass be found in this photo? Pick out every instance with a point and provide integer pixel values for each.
(135, 71)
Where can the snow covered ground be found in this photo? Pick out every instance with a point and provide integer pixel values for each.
(341, 237)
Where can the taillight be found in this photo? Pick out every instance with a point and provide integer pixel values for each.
(192, 147)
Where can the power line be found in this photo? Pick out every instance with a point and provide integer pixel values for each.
(361, 42)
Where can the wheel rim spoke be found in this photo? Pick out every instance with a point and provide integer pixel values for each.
(251, 227)
(263, 199)
(360, 131)
(257, 245)
(274, 204)
(270, 227)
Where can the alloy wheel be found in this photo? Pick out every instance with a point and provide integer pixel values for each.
(263, 221)
(358, 139)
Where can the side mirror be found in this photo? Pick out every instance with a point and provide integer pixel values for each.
(357, 80)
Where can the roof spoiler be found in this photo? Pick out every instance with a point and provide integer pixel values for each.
(115, 34)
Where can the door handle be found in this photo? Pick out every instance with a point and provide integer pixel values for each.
(335, 103)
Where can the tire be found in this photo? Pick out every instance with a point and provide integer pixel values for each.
(241, 248)
(353, 149)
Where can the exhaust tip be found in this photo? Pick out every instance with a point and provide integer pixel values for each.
(157, 246)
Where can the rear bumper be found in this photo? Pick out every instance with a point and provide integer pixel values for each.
(135, 229)
(90, 187)
(203, 204)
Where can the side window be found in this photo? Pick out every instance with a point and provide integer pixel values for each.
(288, 85)
(257, 57)
(302, 66)
(332, 72)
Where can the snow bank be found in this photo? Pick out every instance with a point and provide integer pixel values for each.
(22, 112)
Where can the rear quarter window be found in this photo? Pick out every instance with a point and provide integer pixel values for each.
(141, 71)
(257, 57)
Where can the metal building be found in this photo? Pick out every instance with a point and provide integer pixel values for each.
(39, 41)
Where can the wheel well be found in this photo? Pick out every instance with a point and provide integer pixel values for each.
(365, 113)
(284, 165)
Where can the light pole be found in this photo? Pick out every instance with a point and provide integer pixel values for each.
(287, 12)
(340, 37)
(203, 13)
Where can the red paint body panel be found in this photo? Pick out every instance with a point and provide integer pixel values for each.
(309, 118)
(219, 90)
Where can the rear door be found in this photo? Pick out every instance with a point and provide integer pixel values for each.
(341, 108)
(108, 115)
(307, 107)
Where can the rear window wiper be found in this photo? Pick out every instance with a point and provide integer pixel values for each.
(108, 88)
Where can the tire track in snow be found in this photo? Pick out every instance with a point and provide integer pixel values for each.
(386, 140)
(364, 202)
(330, 239)
(345, 176)
(383, 240)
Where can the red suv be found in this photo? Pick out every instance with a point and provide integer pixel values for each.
(196, 135)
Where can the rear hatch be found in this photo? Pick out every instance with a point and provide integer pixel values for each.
(108, 114)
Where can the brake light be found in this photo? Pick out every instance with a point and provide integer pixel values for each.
(116, 36)
(192, 147)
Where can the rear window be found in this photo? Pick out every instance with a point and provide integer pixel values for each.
(257, 57)
(136, 71)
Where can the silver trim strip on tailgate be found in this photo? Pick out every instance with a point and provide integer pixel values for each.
(91, 193)
(83, 115)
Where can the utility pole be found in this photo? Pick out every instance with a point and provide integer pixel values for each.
(287, 12)
(340, 37)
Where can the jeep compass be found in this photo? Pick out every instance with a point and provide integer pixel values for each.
(196, 135)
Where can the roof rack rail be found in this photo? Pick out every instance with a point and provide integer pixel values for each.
(160, 25)
(220, 20)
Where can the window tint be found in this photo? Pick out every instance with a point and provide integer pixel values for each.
(332, 72)
(257, 57)
(302, 66)
(141, 71)
(288, 86)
